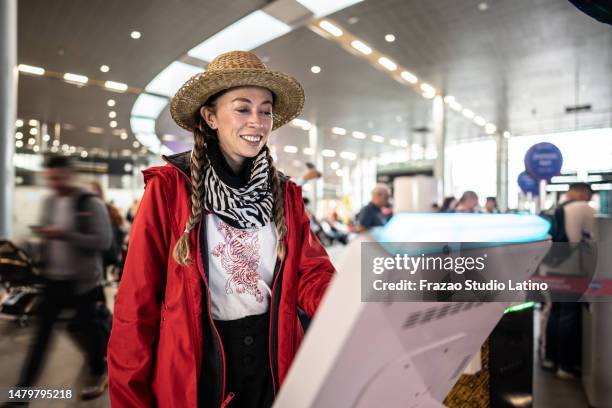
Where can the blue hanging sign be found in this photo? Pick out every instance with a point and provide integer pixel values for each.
(528, 184)
(543, 161)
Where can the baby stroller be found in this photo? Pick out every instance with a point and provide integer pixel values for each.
(19, 279)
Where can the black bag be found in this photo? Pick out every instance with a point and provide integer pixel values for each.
(556, 218)
(16, 267)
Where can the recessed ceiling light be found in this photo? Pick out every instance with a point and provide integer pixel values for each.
(36, 148)
(428, 89)
(75, 78)
(46, 138)
(116, 86)
(338, 131)
(290, 149)
(33, 122)
(449, 99)
(490, 128)
(56, 143)
(19, 143)
(84, 153)
(353, 20)
(301, 123)
(468, 113)
(124, 136)
(30, 69)
(387, 63)
(339, 172)
(334, 165)
(389, 38)
(315, 69)
(378, 139)
(95, 130)
(31, 141)
(348, 155)
(112, 114)
(483, 6)
(480, 121)
(19, 135)
(308, 151)
(331, 28)
(18, 123)
(110, 103)
(328, 153)
(408, 76)
(359, 135)
(113, 123)
(136, 145)
(456, 106)
(507, 134)
(361, 47)
(104, 68)
(33, 131)
(135, 35)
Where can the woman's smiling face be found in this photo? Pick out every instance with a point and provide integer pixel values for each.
(242, 118)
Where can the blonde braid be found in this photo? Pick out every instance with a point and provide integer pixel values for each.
(279, 207)
(199, 160)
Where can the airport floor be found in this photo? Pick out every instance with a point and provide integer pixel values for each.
(65, 367)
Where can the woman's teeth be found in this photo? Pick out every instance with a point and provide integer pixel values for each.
(253, 139)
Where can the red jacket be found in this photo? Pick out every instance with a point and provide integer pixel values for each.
(162, 320)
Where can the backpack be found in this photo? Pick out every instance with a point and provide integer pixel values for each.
(111, 255)
(556, 219)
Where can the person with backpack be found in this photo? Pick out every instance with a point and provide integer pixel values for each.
(76, 231)
(572, 222)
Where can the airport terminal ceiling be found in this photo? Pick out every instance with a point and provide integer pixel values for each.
(497, 58)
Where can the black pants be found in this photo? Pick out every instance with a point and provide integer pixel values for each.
(564, 335)
(57, 296)
(245, 342)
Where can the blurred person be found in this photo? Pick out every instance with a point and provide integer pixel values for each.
(76, 229)
(434, 208)
(372, 214)
(219, 235)
(491, 206)
(564, 323)
(448, 205)
(468, 203)
(131, 212)
(112, 257)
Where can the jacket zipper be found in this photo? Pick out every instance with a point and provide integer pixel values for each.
(227, 399)
(272, 346)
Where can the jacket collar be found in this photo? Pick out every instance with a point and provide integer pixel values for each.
(181, 161)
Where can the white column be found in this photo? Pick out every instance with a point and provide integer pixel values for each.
(8, 112)
(439, 134)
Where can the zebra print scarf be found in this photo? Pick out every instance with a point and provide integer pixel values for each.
(246, 206)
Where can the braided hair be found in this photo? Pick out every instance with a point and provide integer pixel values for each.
(199, 161)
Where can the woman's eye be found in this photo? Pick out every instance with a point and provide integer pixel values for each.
(267, 113)
(243, 110)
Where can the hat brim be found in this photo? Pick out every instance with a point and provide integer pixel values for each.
(288, 101)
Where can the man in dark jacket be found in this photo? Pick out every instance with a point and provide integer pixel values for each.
(374, 214)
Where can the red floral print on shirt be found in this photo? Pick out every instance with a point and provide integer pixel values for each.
(239, 255)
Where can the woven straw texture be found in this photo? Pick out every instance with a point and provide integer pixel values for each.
(232, 69)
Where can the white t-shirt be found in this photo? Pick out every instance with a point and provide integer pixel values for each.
(579, 218)
(241, 268)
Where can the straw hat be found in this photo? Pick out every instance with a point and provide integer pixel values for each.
(232, 69)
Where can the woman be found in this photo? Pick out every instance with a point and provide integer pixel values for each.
(221, 254)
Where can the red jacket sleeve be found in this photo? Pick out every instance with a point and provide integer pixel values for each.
(315, 267)
(137, 308)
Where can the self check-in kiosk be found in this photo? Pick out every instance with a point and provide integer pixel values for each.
(404, 353)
